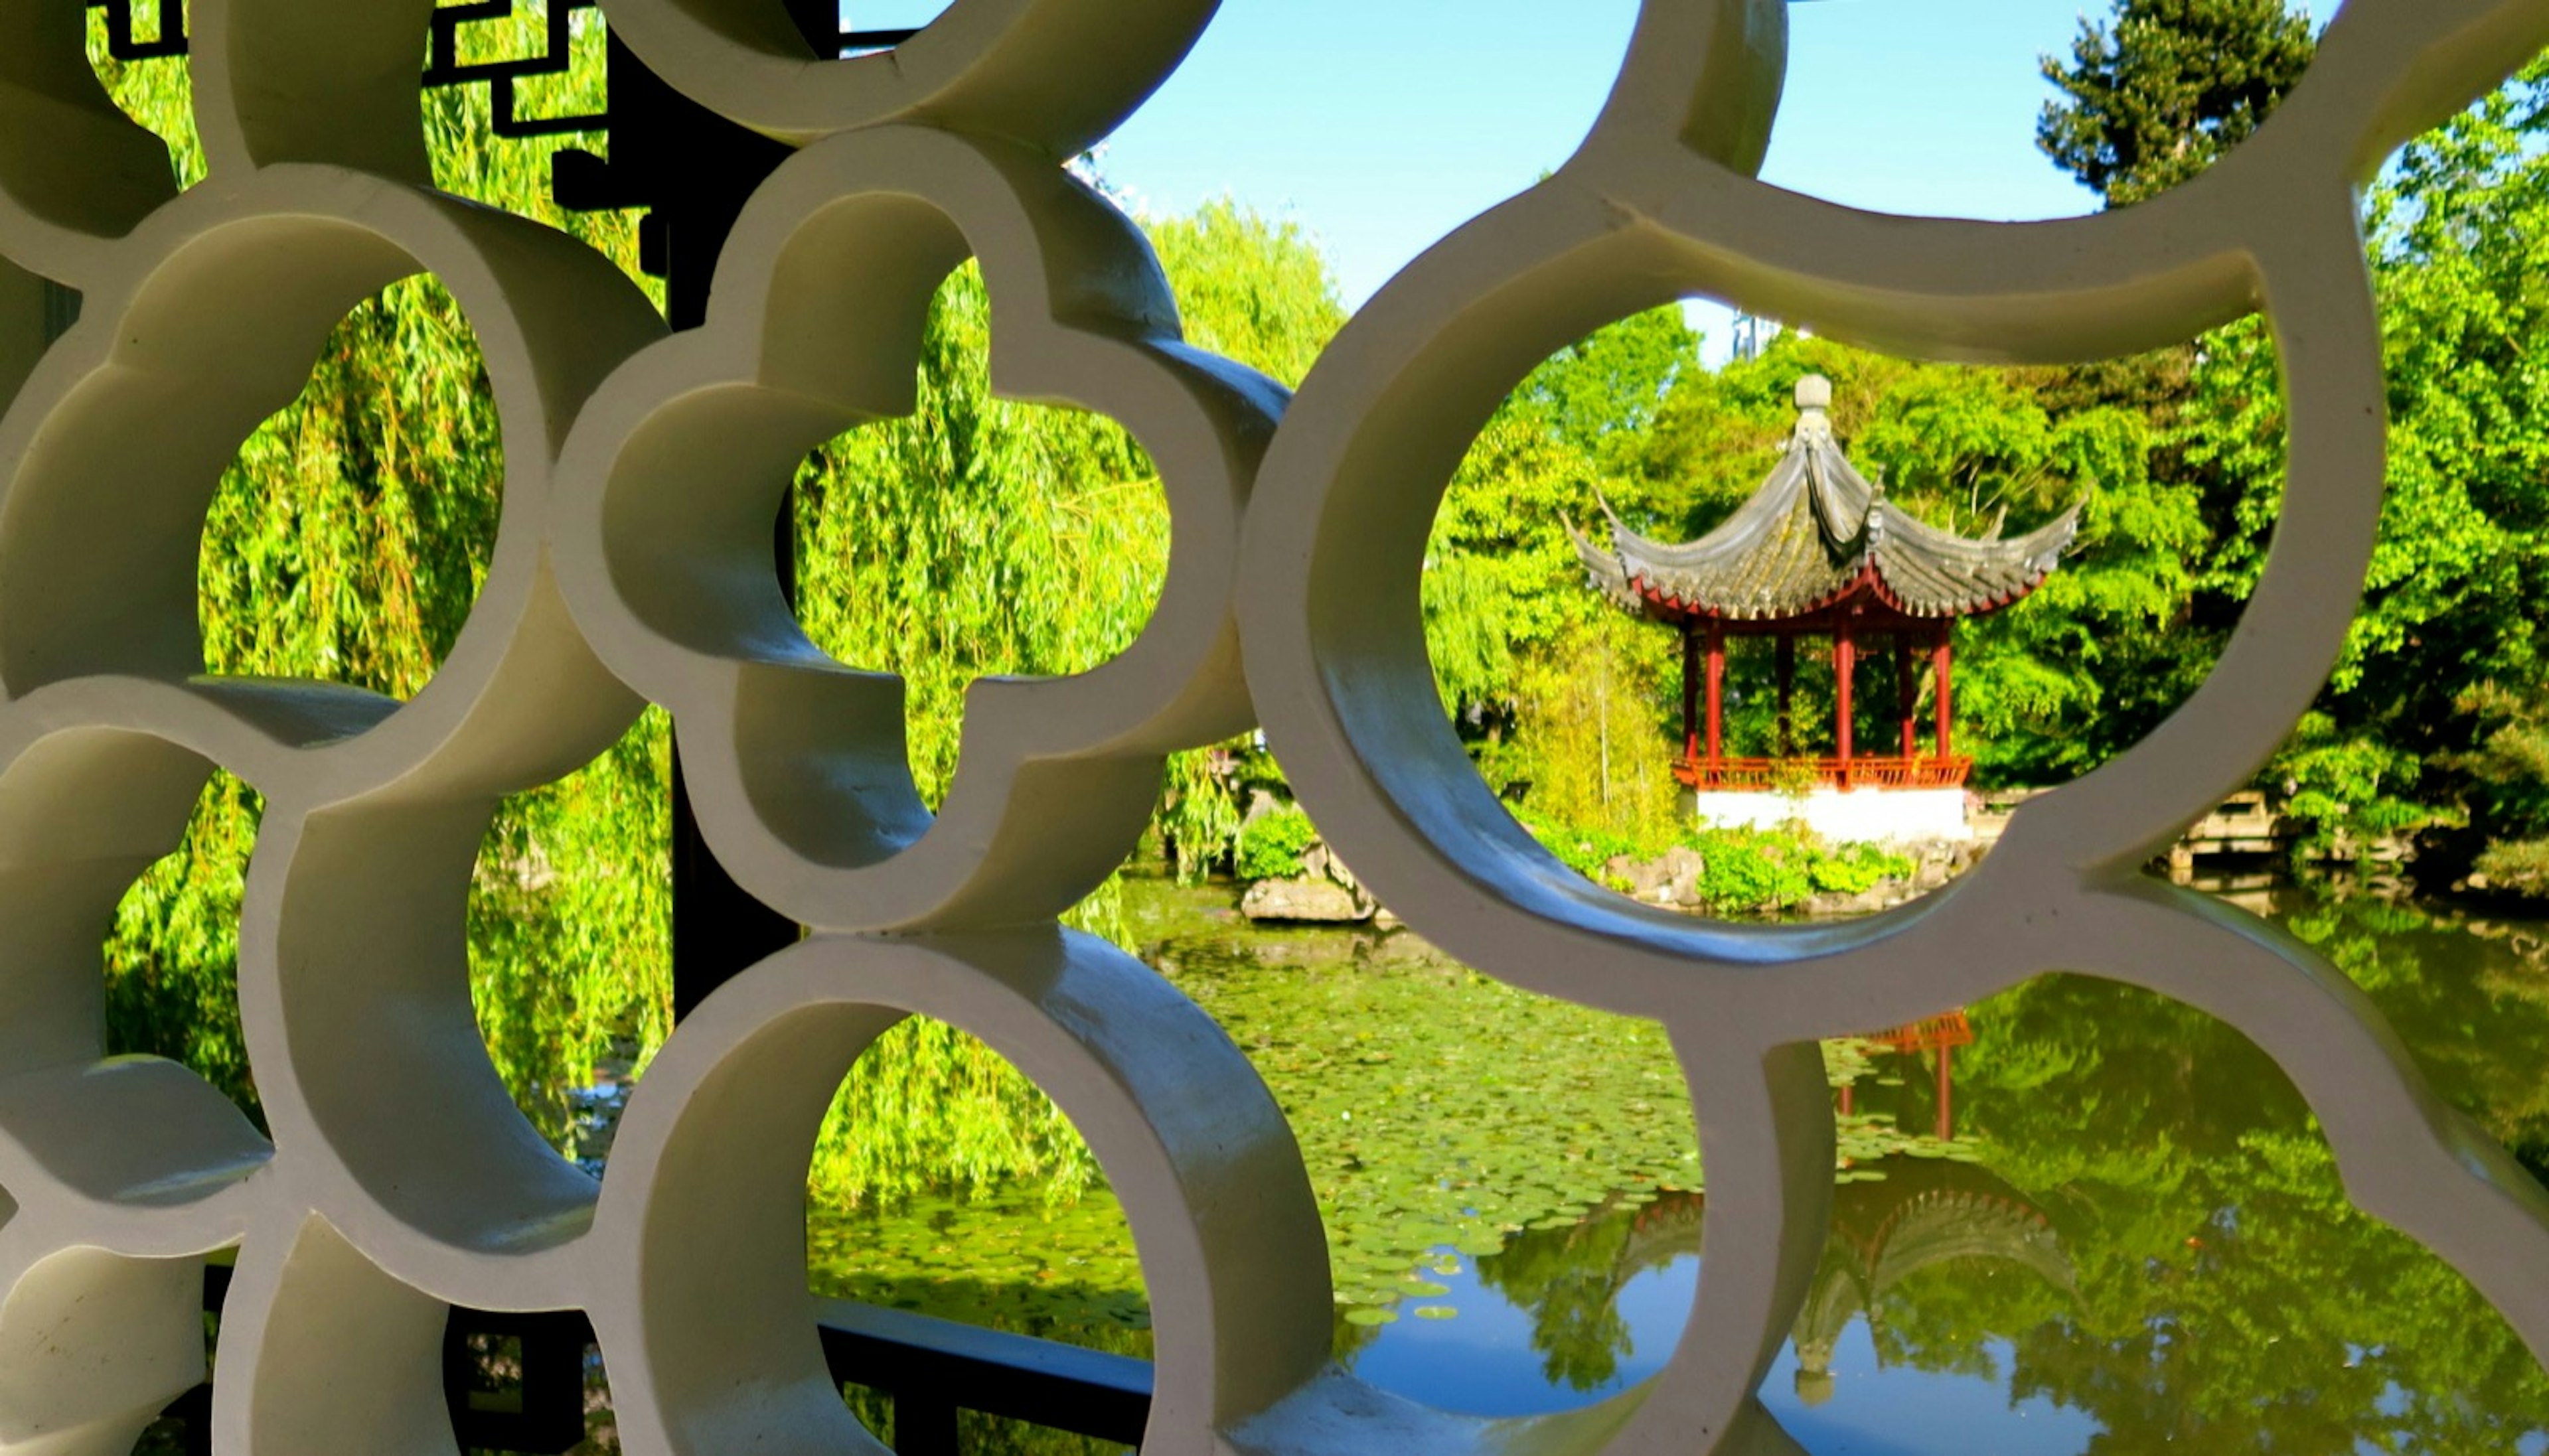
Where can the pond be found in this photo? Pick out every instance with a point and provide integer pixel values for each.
(2132, 1237)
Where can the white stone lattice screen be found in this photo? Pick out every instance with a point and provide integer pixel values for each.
(634, 559)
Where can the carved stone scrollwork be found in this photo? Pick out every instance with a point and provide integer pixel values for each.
(633, 564)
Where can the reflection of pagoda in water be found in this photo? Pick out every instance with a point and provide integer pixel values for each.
(1923, 1215)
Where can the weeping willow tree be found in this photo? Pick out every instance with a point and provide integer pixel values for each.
(350, 536)
(348, 542)
(984, 537)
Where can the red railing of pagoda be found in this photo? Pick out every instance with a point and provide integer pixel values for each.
(1772, 775)
(1931, 1033)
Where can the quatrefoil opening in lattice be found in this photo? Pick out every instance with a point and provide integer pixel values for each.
(796, 763)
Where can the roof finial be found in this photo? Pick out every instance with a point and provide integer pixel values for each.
(1814, 397)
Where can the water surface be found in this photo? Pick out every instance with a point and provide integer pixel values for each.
(2132, 1240)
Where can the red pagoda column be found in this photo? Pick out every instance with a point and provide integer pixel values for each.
(1907, 697)
(1844, 665)
(1716, 694)
(1690, 693)
(1940, 657)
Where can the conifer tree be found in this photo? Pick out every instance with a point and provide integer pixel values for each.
(2154, 96)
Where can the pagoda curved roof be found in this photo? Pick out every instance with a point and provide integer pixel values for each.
(1815, 531)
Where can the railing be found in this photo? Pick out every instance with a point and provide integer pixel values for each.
(1929, 1033)
(531, 1399)
(1774, 775)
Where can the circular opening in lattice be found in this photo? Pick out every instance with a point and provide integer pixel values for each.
(983, 1204)
(975, 538)
(2134, 1228)
(569, 941)
(258, 467)
(126, 1070)
(947, 1191)
(348, 539)
(1791, 635)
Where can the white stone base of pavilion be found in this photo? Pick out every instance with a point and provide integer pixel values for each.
(1856, 815)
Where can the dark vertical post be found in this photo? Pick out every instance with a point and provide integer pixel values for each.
(1939, 661)
(925, 1423)
(1787, 656)
(1690, 695)
(1715, 695)
(1844, 666)
(699, 170)
(1907, 698)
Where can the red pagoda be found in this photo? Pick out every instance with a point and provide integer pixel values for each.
(1818, 552)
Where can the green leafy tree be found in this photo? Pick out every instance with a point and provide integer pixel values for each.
(977, 536)
(2048, 688)
(1563, 701)
(2446, 651)
(2158, 95)
(348, 542)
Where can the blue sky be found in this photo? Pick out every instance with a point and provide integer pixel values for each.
(1382, 124)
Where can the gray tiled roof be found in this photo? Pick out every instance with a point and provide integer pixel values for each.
(1814, 530)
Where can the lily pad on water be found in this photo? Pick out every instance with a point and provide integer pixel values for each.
(1441, 1114)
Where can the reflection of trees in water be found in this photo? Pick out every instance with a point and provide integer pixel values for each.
(2471, 998)
(2161, 1241)
(2229, 1298)
(1923, 1215)
(1569, 1280)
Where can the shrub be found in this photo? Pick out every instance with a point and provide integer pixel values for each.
(1271, 846)
(1745, 872)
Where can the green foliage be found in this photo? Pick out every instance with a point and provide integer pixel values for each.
(1561, 699)
(2045, 690)
(979, 536)
(930, 1107)
(2158, 95)
(1745, 872)
(2508, 771)
(346, 543)
(976, 537)
(973, 538)
(2447, 648)
(2229, 1297)
(171, 959)
(1271, 846)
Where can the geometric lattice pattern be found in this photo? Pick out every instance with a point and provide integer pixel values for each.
(635, 563)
